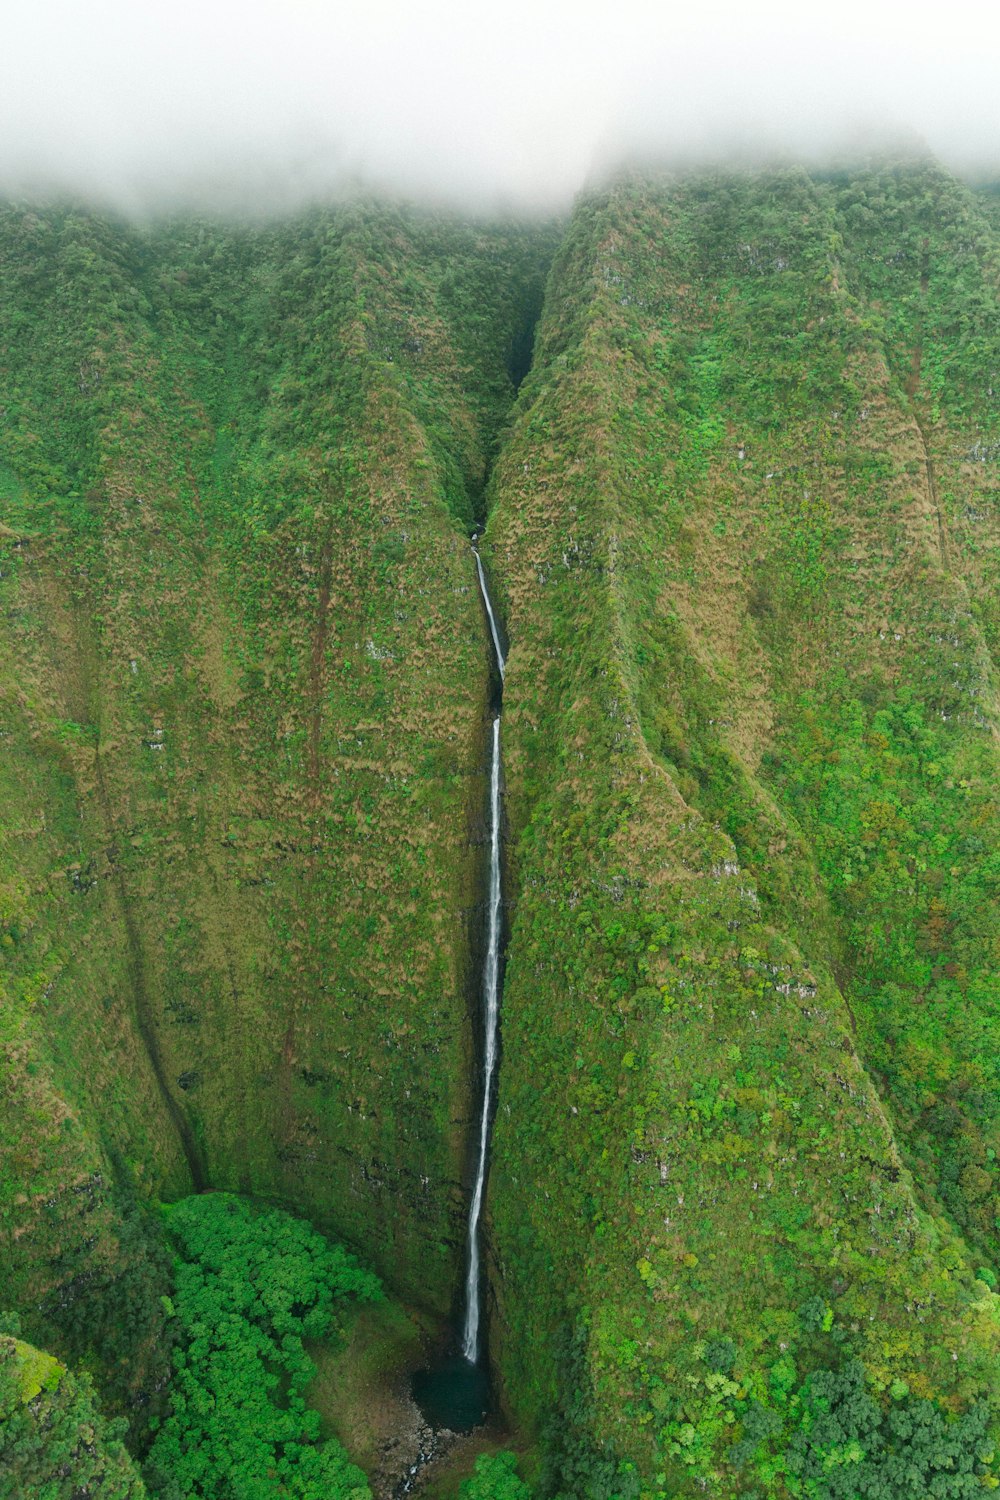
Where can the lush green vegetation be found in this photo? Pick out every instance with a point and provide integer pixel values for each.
(744, 527)
(250, 1285)
(241, 660)
(495, 1478)
(54, 1442)
(841, 1444)
(750, 760)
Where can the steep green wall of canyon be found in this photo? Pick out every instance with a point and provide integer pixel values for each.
(743, 525)
(244, 681)
(746, 535)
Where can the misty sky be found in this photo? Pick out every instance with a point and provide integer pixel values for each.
(141, 99)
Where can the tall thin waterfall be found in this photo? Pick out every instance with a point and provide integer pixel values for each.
(501, 663)
(491, 1009)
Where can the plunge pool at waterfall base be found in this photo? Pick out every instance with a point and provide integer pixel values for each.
(455, 1404)
(453, 1395)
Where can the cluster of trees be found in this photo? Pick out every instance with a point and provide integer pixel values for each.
(847, 1448)
(495, 1477)
(54, 1443)
(251, 1285)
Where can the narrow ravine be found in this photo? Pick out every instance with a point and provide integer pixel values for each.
(453, 1396)
(491, 1005)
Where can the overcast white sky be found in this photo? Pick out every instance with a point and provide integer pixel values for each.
(516, 100)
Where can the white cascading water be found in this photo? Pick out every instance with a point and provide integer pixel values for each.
(491, 1010)
(489, 612)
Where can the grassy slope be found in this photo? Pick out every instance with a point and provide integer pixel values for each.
(747, 564)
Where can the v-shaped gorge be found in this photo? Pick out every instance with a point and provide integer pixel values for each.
(742, 529)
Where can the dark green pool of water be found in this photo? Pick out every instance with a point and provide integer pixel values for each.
(454, 1394)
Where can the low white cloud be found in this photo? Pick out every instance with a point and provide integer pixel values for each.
(145, 101)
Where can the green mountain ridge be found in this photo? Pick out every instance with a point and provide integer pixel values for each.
(742, 518)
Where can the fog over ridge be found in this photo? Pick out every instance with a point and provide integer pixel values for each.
(146, 104)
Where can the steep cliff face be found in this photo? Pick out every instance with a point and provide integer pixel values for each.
(745, 536)
(244, 676)
(743, 530)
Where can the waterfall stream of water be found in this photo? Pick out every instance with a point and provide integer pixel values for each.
(498, 649)
(491, 1008)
